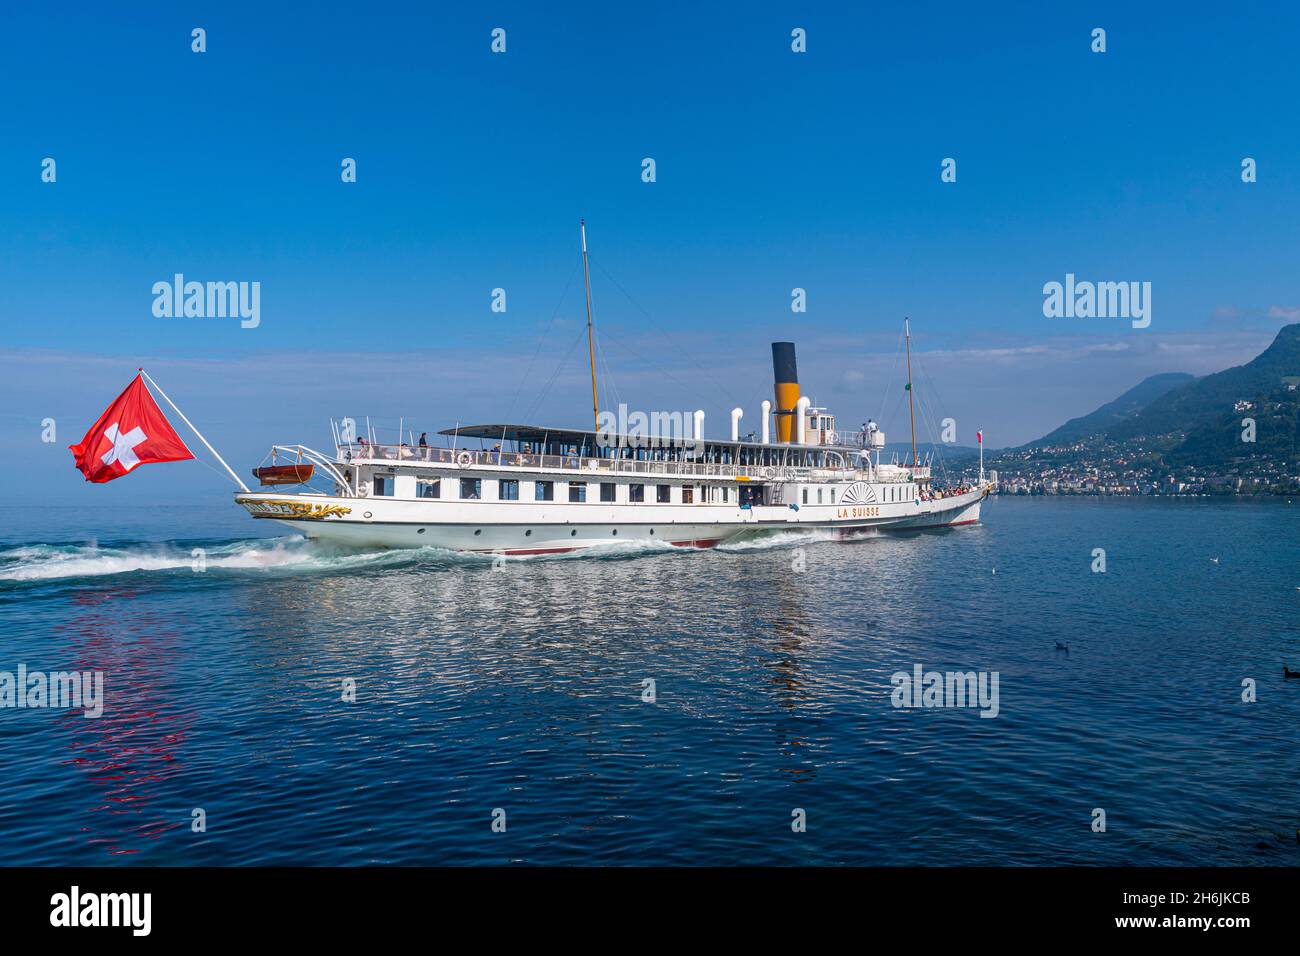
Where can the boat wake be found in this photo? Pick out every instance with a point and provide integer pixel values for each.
(52, 562)
(771, 540)
(32, 563)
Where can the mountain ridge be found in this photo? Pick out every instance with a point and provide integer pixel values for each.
(1200, 402)
(1232, 431)
(1113, 412)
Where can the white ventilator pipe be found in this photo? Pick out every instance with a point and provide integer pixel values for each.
(801, 419)
(699, 424)
(736, 414)
(767, 416)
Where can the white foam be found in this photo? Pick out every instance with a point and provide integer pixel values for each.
(50, 562)
(769, 540)
(44, 562)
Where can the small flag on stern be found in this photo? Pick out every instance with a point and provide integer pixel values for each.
(133, 431)
(979, 436)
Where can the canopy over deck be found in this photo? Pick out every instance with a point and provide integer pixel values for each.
(535, 434)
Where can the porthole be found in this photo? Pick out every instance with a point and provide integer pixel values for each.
(478, 532)
(528, 533)
(652, 530)
(367, 514)
(615, 531)
(573, 533)
(419, 531)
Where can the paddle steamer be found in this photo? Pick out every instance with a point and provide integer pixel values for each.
(516, 489)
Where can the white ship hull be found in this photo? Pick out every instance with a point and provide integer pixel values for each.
(527, 528)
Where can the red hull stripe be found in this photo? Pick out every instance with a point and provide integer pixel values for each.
(516, 551)
(698, 543)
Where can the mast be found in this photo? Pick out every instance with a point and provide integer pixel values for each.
(591, 342)
(911, 412)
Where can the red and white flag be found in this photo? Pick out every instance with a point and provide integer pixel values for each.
(132, 432)
(979, 436)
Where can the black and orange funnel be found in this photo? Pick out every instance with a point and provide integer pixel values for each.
(785, 375)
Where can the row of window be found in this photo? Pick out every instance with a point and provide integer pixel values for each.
(819, 496)
(891, 493)
(899, 493)
(471, 489)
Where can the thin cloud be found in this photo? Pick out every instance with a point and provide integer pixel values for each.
(1021, 387)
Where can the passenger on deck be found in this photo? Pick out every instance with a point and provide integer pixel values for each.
(424, 439)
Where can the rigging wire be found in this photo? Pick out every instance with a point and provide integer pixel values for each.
(542, 338)
(933, 390)
(555, 373)
(650, 362)
(936, 447)
(886, 407)
(709, 376)
(611, 388)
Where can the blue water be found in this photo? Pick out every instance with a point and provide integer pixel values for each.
(520, 688)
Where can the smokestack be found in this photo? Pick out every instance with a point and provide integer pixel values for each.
(785, 376)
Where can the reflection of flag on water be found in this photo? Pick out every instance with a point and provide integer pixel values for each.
(133, 431)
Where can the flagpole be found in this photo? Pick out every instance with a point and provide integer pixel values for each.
(232, 474)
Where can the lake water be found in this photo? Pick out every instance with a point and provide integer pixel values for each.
(522, 688)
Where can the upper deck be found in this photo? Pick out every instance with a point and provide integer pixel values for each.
(569, 451)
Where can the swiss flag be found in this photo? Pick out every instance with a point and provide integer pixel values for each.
(132, 432)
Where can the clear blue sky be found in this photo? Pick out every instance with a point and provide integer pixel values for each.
(775, 170)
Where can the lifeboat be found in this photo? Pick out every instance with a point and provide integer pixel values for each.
(284, 474)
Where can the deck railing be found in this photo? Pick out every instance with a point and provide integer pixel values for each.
(466, 457)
